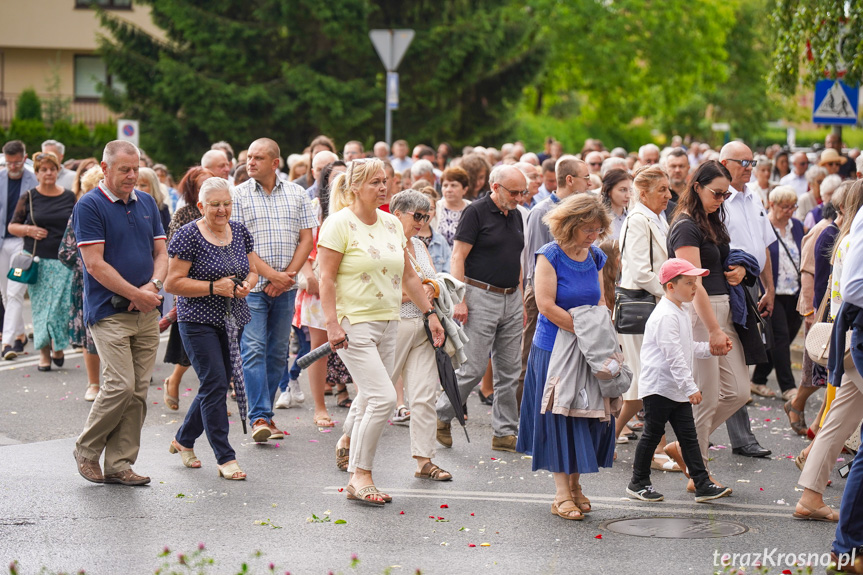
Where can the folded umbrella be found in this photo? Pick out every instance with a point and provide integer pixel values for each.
(316, 354)
(448, 380)
(236, 363)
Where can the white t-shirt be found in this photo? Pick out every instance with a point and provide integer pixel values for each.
(668, 352)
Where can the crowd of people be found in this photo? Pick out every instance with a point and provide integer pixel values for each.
(589, 295)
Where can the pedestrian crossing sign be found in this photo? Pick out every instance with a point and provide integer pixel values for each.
(835, 103)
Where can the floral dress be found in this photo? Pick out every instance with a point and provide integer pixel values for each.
(79, 332)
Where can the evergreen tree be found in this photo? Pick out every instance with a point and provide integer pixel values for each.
(292, 69)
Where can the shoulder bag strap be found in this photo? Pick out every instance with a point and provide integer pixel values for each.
(787, 251)
(32, 218)
(623, 245)
(822, 308)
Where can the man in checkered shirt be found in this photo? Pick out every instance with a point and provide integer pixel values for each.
(279, 216)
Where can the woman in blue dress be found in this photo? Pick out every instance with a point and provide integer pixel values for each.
(567, 275)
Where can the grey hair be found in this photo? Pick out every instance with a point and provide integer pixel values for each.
(114, 147)
(421, 167)
(214, 184)
(647, 148)
(211, 155)
(815, 171)
(612, 163)
(764, 160)
(830, 184)
(60, 147)
(410, 201)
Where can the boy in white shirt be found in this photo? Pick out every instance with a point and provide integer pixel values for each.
(665, 384)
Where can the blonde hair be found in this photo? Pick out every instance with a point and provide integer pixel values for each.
(573, 213)
(91, 178)
(155, 186)
(77, 188)
(342, 190)
(646, 179)
(301, 161)
(781, 194)
(853, 203)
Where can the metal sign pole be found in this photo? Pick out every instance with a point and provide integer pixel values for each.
(391, 46)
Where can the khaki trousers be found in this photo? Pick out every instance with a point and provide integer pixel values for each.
(127, 345)
(842, 420)
(417, 366)
(369, 357)
(722, 380)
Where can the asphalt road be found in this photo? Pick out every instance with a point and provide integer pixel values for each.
(494, 517)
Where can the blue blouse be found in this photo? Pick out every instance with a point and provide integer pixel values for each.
(210, 263)
(577, 284)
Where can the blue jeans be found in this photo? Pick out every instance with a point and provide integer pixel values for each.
(292, 373)
(264, 347)
(207, 348)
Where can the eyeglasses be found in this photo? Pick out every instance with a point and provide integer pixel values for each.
(591, 231)
(419, 217)
(786, 208)
(745, 163)
(833, 164)
(43, 156)
(514, 194)
(723, 195)
(217, 205)
(21, 163)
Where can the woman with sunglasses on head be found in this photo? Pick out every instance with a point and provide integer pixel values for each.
(40, 218)
(698, 236)
(364, 267)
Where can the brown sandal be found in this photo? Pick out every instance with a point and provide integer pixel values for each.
(433, 472)
(830, 516)
(365, 495)
(565, 509)
(581, 501)
(343, 454)
(798, 426)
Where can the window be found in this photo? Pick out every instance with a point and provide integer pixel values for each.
(111, 4)
(90, 73)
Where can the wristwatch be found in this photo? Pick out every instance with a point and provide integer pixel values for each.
(157, 282)
(429, 313)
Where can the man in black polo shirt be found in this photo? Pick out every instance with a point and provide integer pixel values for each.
(487, 257)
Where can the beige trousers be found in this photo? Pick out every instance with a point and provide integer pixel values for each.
(369, 357)
(843, 419)
(722, 380)
(415, 363)
(127, 345)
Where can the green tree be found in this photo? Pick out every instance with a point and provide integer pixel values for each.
(57, 106)
(825, 34)
(291, 69)
(29, 106)
(627, 62)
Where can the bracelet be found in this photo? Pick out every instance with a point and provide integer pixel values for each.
(435, 286)
(211, 287)
(808, 314)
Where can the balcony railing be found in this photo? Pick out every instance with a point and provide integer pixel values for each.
(91, 112)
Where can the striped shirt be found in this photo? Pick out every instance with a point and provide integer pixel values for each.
(274, 220)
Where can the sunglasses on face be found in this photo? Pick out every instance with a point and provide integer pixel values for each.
(421, 218)
(718, 195)
(514, 194)
(745, 163)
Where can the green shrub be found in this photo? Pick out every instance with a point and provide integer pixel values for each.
(31, 132)
(29, 106)
(102, 134)
(76, 138)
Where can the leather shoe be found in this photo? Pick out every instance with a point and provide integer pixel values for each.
(88, 468)
(127, 477)
(753, 450)
(505, 443)
(444, 433)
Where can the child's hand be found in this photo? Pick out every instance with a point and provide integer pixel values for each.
(695, 398)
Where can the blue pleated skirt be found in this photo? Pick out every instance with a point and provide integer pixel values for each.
(558, 443)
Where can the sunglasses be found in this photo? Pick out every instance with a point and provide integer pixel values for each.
(745, 163)
(723, 195)
(514, 194)
(423, 218)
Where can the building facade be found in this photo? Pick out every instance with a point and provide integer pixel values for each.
(45, 42)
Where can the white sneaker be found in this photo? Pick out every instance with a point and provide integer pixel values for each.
(297, 394)
(285, 401)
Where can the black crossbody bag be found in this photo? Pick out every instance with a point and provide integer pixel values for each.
(632, 307)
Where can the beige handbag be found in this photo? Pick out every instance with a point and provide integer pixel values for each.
(818, 338)
(302, 282)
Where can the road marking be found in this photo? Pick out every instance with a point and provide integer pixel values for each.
(15, 364)
(667, 506)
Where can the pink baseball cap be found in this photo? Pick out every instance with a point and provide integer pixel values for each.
(678, 267)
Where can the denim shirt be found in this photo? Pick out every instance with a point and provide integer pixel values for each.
(440, 252)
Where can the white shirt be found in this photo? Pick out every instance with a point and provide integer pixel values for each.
(799, 183)
(748, 226)
(401, 165)
(851, 287)
(668, 352)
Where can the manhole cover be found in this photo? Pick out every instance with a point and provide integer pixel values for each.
(675, 527)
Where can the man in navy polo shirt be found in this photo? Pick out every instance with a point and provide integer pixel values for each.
(122, 243)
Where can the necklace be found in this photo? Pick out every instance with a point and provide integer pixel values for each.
(220, 240)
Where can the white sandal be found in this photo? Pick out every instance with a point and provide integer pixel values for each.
(668, 464)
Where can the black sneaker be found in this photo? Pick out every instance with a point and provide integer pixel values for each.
(644, 493)
(18, 346)
(9, 353)
(711, 491)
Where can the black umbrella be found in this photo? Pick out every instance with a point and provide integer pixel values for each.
(448, 380)
(316, 354)
(236, 362)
